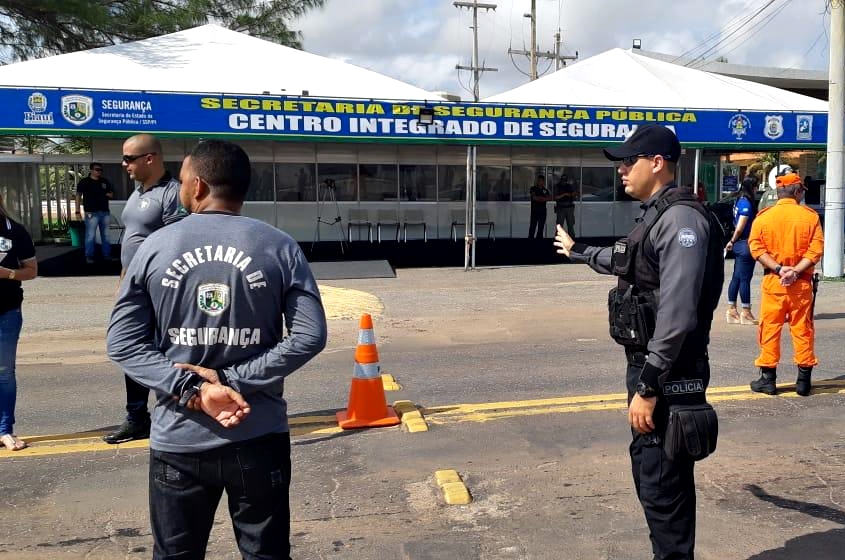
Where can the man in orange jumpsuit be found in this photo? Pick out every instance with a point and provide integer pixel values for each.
(787, 240)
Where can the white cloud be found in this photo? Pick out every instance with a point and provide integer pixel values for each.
(421, 41)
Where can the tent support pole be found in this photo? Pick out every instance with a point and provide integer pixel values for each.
(695, 171)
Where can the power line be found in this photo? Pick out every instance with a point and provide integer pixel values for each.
(727, 37)
(731, 27)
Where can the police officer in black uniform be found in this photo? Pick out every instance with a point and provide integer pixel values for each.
(670, 271)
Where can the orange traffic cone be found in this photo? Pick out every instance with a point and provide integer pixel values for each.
(367, 404)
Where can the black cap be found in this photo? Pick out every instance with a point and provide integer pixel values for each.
(650, 140)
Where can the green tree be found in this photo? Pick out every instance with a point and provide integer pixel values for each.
(37, 28)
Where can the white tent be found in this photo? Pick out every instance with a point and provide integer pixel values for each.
(619, 78)
(208, 59)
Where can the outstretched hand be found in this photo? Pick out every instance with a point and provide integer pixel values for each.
(563, 241)
(222, 403)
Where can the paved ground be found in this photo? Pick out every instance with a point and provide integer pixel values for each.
(521, 387)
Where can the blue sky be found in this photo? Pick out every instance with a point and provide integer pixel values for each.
(421, 41)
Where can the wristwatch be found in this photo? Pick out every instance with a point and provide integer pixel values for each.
(777, 269)
(189, 392)
(12, 273)
(645, 390)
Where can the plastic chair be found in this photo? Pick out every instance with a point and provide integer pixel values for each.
(458, 220)
(482, 218)
(359, 219)
(387, 218)
(414, 218)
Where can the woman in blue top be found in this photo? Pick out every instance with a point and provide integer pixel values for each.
(743, 261)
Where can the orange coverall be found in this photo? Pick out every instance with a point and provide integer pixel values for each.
(788, 232)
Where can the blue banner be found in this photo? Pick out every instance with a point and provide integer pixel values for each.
(46, 111)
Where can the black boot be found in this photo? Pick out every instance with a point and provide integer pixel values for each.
(802, 384)
(766, 383)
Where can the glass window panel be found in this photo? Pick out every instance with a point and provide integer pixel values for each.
(597, 184)
(261, 186)
(343, 176)
(524, 177)
(621, 195)
(566, 175)
(451, 182)
(378, 182)
(418, 182)
(119, 179)
(493, 183)
(295, 182)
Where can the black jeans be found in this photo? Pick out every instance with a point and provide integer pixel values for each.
(666, 489)
(137, 395)
(185, 489)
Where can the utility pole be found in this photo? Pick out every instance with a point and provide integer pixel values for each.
(469, 228)
(834, 199)
(533, 54)
(476, 69)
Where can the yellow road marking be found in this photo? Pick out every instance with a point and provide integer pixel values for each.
(321, 425)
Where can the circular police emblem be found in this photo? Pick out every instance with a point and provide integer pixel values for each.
(687, 238)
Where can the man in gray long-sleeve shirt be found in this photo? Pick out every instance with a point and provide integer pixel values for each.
(200, 320)
(670, 270)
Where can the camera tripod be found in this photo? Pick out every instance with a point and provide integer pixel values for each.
(326, 196)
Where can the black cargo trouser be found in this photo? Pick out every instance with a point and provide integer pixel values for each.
(666, 489)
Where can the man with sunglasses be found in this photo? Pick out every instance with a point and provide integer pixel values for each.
(787, 240)
(93, 194)
(153, 204)
(670, 270)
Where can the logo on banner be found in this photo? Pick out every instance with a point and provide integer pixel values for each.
(213, 299)
(37, 114)
(77, 109)
(804, 125)
(774, 127)
(739, 125)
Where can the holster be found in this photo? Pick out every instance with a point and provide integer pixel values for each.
(691, 432)
(631, 317)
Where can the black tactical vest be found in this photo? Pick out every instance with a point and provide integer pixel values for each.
(633, 303)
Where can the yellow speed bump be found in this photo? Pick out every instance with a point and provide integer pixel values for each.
(411, 417)
(454, 490)
(390, 383)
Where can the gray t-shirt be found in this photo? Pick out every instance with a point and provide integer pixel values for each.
(216, 290)
(145, 212)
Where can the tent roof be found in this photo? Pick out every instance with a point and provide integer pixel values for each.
(618, 78)
(209, 59)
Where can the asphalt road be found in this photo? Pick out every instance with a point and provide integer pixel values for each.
(546, 466)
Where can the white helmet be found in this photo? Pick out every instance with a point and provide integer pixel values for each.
(776, 171)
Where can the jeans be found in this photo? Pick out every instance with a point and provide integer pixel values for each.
(10, 330)
(743, 272)
(93, 222)
(185, 489)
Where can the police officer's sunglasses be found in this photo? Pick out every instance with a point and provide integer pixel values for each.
(130, 159)
(631, 160)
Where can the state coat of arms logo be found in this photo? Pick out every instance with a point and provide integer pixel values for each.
(739, 125)
(773, 128)
(213, 299)
(804, 124)
(77, 109)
